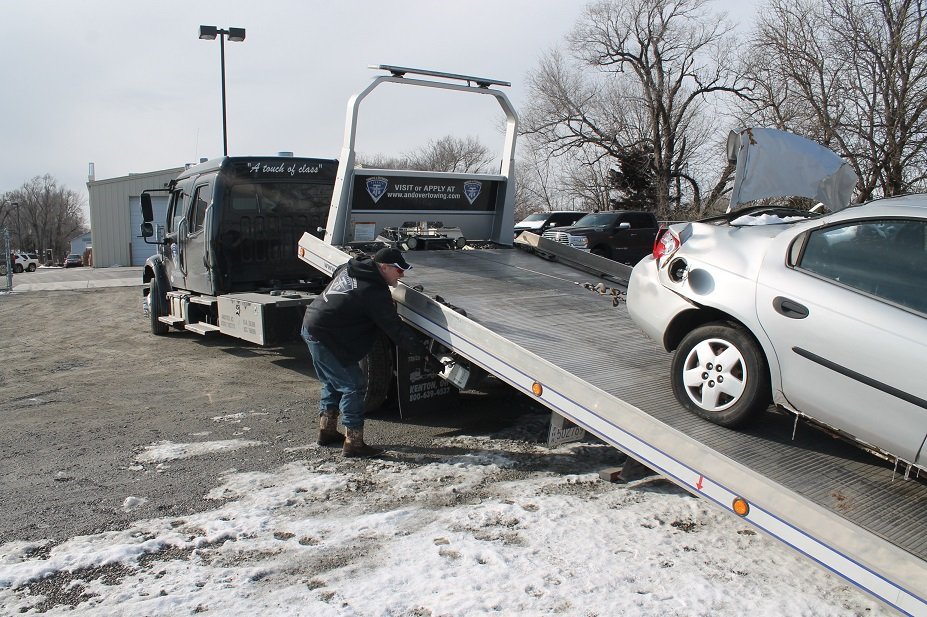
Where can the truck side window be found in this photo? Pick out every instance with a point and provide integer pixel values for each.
(201, 200)
(174, 211)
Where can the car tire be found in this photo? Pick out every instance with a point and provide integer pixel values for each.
(31, 268)
(156, 303)
(18, 269)
(730, 393)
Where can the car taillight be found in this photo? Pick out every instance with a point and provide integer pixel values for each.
(666, 243)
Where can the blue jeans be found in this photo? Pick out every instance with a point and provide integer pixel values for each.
(343, 387)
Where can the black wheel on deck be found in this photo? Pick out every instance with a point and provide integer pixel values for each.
(378, 367)
(156, 307)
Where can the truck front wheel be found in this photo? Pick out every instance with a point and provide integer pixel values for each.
(156, 302)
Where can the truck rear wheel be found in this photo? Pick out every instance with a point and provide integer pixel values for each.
(378, 368)
(156, 302)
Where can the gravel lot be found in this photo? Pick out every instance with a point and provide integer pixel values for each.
(86, 387)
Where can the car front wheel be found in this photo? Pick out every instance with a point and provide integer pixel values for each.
(719, 373)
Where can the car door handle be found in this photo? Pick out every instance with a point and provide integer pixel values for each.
(790, 308)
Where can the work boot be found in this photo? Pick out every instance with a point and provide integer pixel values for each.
(328, 429)
(354, 446)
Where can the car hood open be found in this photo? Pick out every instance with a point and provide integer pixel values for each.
(773, 163)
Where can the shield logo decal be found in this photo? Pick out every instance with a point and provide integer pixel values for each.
(376, 188)
(472, 190)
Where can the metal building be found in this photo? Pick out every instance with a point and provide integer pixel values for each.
(115, 216)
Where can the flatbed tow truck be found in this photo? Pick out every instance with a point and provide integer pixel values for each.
(555, 329)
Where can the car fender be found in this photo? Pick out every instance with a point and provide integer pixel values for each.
(738, 306)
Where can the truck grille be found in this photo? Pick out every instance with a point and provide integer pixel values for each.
(557, 236)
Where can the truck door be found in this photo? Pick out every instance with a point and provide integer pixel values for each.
(633, 237)
(196, 255)
(175, 234)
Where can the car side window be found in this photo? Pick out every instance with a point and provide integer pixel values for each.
(884, 258)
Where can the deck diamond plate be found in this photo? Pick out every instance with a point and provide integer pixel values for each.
(545, 308)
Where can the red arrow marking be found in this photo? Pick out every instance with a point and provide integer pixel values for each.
(698, 484)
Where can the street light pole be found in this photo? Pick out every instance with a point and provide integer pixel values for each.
(237, 35)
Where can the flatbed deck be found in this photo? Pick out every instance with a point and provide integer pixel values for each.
(536, 321)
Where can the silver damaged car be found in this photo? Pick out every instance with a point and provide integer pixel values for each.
(825, 316)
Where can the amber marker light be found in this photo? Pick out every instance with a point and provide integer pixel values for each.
(537, 388)
(741, 507)
(302, 252)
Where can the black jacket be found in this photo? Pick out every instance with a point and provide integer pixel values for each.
(357, 302)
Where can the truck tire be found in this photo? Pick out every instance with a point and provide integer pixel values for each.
(156, 302)
(719, 372)
(378, 368)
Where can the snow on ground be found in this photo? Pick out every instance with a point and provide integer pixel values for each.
(498, 526)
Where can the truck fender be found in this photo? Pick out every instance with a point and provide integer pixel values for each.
(154, 267)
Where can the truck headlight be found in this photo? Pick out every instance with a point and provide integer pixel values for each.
(580, 242)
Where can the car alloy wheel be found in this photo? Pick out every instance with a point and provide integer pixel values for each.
(720, 374)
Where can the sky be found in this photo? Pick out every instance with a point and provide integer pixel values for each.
(406, 537)
(129, 86)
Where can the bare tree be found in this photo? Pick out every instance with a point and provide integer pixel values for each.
(851, 74)
(49, 215)
(640, 76)
(449, 153)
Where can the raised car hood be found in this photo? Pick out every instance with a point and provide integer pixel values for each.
(772, 163)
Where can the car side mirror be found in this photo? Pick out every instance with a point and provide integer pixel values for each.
(624, 225)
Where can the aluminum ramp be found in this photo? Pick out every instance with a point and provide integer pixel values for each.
(530, 320)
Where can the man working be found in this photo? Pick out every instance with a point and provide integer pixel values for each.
(339, 328)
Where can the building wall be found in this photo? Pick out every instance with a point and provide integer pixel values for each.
(110, 216)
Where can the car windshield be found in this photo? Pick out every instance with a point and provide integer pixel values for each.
(532, 218)
(596, 219)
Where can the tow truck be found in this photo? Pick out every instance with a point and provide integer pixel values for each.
(556, 330)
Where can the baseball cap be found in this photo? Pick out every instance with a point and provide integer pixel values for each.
(392, 257)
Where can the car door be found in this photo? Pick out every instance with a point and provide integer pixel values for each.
(849, 327)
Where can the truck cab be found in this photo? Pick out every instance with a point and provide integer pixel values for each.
(232, 227)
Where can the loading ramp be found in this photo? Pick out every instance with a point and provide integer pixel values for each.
(534, 321)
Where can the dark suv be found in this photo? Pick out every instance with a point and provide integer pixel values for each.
(540, 222)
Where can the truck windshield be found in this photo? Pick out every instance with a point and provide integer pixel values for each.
(596, 219)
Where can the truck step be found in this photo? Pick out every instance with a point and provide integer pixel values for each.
(204, 300)
(201, 327)
(171, 320)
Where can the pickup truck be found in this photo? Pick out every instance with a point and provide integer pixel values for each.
(621, 235)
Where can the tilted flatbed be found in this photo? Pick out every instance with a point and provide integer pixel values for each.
(556, 329)
(531, 321)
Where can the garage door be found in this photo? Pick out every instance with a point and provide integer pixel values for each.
(140, 250)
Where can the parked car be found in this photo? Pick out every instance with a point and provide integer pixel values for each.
(539, 222)
(23, 262)
(73, 260)
(622, 235)
(825, 316)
